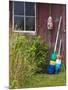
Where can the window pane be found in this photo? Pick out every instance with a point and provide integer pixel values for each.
(18, 8)
(29, 9)
(19, 23)
(30, 23)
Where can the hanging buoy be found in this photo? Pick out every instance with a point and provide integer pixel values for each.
(50, 23)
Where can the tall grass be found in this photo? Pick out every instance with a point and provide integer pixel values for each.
(26, 54)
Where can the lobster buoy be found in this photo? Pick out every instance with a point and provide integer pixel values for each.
(57, 66)
(51, 69)
(50, 23)
(53, 56)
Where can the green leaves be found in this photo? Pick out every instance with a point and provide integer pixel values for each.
(27, 56)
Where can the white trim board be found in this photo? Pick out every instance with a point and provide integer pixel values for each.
(45, 1)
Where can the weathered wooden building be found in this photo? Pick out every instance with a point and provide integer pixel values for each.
(31, 18)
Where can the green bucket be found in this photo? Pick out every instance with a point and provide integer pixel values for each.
(53, 56)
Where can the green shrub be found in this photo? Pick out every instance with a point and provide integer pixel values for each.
(28, 55)
(41, 54)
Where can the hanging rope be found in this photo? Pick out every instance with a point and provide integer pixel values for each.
(50, 9)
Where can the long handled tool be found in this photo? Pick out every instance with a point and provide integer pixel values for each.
(54, 55)
(58, 60)
(59, 47)
(57, 33)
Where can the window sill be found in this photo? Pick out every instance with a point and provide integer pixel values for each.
(26, 32)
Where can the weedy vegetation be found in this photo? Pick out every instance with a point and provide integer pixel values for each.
(28, 56)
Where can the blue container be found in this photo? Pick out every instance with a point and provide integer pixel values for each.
(51, 69)
(57, 68)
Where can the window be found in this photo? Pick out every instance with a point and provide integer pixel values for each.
(24, 16)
